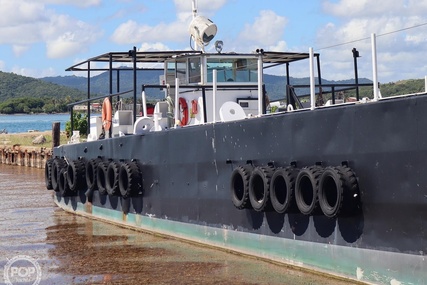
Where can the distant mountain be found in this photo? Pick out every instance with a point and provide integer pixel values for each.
(100, 84)
(275, 85)
(73, 88)
(16, 86)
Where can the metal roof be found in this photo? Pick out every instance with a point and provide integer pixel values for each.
(161, 56)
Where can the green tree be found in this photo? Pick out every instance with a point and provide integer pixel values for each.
(79, 124)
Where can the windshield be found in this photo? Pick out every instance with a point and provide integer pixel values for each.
(233, 69)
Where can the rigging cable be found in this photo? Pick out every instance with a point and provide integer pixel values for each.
(380, 35)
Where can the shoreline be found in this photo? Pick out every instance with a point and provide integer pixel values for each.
(18, 149)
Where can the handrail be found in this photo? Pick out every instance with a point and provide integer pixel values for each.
(345, 87)
(99, 97)
(89, 100)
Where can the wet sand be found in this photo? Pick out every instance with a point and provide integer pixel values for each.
(75, 250)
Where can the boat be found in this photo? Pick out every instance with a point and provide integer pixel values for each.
(338, 188)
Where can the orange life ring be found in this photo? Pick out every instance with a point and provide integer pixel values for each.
(106, 114)
(183, 108)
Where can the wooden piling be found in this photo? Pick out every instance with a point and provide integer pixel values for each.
(56, 134)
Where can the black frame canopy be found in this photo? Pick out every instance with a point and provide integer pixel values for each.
(134, 57)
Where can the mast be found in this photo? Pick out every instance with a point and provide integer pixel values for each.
(194, 8)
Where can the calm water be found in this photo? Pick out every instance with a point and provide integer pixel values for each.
(24, 123)
(71, 249)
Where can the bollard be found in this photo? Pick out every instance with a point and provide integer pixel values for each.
(56, 134)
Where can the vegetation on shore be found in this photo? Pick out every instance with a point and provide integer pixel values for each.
(26, 95)
(21, 94)
(26, 139)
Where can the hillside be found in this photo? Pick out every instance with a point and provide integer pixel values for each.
(99, 84)
(17, 86)
(21, 94)
(275, 85)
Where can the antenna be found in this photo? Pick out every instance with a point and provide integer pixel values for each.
(194, 9)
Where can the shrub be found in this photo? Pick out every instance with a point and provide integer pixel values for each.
(79, 124)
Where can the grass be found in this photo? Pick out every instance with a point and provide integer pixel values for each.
(26, 139)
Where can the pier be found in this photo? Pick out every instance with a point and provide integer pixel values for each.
(25, 155)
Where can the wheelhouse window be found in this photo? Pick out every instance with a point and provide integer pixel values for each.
(176, 69)
(181, 71)
(241, 70)
(194, 70)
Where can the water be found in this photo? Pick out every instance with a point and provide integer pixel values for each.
(23, 123)
(71, 249)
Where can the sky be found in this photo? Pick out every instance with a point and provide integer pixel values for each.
(40, 38)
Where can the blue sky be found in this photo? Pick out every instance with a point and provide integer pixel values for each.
(41, 38)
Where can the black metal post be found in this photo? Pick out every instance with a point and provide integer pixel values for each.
(356, 76)
(118, 83)
(111, 92)
(134, 85)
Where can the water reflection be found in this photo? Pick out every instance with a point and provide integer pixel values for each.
(75, 250)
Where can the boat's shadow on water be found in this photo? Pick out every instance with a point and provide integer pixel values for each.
(351, 226)
(126, 205)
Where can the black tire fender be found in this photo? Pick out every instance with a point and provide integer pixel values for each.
(239, 186)
(112, 179)
(307, 188)
(48, 173)
(338, 191)
(282, 188)
(130, 179)
(64, 188)
(57, 165)
(76, 173)
(101, 177)
(331, 191)
(91, 171)
(259, 188)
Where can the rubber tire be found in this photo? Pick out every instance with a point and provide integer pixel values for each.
(306, 189)
(112, 181)
(331, 191)
(64, 188)
(130, 179)
(101, 175)
(76, 175)
(282, 188)
(48, 173)
(239, 186)
(90, 173)
(351, 202)
(259, 188)
(57, 165)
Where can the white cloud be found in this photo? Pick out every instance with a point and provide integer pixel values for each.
(207, 7)
(31, 23)
(363, 8)
(18, 50)
(66, 36)
(78, 3)
(268, 29)
(153, 47)
(133, 33)
(397, 46)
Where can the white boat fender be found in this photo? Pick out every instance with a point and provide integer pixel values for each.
(142, 125)
(231, 111)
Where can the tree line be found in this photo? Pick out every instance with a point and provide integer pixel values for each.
(30, 105)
